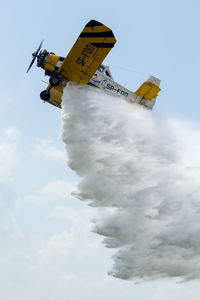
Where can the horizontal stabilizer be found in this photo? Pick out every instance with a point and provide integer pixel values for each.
(147, 93)
(148, 90)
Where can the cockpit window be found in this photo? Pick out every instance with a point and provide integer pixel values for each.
(105, 70)
(107, 73)
(101, 69)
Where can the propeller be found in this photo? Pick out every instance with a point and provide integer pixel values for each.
(35, 54)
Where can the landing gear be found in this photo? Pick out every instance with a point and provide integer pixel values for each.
(45, 95)
(54, 80)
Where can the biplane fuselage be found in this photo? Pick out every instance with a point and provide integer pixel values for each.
(83, 65)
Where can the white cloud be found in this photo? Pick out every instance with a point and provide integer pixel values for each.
(53, 191)
(47, 149)
(8, 160)
(75, 244)
(14, 254)
(64, 212)
(57, 246)
(12, 133)
(174, 291)
(9, 225)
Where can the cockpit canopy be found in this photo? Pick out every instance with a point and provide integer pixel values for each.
(105, 71)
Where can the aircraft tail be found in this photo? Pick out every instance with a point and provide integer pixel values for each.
(147, 93)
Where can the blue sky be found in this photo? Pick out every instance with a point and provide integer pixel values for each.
(42, 226)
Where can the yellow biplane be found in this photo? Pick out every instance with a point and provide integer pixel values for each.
(83, 65)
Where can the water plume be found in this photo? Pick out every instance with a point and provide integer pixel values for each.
(142, 171)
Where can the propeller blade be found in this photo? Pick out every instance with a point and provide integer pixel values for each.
(31, 64)
(35, 54)
(39, 47)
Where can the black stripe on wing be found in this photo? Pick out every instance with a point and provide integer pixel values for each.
(103, 45)
(96, 34)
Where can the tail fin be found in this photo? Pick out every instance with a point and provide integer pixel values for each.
(148, 91)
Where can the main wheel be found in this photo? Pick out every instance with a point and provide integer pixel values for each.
(45, 96)
(54, 80)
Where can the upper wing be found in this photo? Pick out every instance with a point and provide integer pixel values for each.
(88, 52)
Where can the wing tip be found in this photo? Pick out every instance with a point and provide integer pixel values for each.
(93, 23)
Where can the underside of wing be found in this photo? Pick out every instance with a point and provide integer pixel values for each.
(88, 52)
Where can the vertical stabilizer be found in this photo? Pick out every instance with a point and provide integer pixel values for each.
(147, 93)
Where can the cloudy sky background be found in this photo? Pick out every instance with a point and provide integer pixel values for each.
(47, 248)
